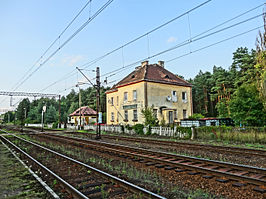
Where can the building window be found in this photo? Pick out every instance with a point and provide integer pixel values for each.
(126, 115)
(125, 97)
(112, 116)
(174, 96)
(112, 101)
(134, 95)
(184, 97)
(117, 117)
(175, 114)
(117, 100)
(184, 113)
(135, 115)
(171, 117)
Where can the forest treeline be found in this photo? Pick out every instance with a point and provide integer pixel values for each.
(238, 92)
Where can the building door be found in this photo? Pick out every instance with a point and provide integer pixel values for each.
(171, 117)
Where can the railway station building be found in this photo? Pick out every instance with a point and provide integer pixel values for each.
(149, 85)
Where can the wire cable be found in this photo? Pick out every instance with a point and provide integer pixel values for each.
(184, 44)
(52, 44)
(128, 43)
(132, 41)
(69, 39)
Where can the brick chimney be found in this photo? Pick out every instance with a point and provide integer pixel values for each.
(144, 63)
(161, 63)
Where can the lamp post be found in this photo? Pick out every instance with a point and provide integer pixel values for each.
(79, 128)
(43, 111)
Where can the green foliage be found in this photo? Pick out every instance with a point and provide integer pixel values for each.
(138, 128)
(223, 109)
(232, 134)
(69, 104)
(150, 119)
(22, 110)
(196, 116)
(9, 116)
(246, 107)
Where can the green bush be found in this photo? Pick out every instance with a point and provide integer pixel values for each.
(138, 128)
(184, 130)
(55, 125)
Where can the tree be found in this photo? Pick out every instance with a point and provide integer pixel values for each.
(22, 110)
(9, 116)
(246, 107)
(149, 116)
(51, 115)
(261, 63)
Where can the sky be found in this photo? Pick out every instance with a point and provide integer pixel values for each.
(29, 27)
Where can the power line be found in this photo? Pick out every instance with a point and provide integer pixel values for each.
(128, 43)
(213, 44)
(132, 41)
(183, 44)
(143, 35)
(52, 44)
(197, 50)
(70, 38)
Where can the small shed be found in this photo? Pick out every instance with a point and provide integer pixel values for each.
(83, 115)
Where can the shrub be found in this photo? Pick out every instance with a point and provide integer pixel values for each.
(138, 128)
(55, 125)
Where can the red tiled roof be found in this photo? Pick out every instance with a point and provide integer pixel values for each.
(84, 111)
(151, 73)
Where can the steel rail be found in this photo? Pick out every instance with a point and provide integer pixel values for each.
(158, 157)
(68, 186)
(123, 183)
(236, 150)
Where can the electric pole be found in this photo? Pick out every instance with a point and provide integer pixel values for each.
(59, 112)
(98, 107)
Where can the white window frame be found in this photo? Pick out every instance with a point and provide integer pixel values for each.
(126, 114)
(135, 114)
(184, 100)
(174, 96)
(112, 116)
(184, 115)
(135, 95)
(125, 96)
(112, 101)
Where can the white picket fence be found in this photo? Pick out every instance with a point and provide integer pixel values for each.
(161, 131)
(167, 131)
(39, 125)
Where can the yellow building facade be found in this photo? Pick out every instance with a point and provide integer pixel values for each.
(149, 86)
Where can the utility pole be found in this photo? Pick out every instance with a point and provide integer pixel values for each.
(59, 112)
(98, 107)
(79, 109)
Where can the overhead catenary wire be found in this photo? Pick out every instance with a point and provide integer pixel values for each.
(69, 39)
(184, 43)
(86, 65)
(144, 35)
(52, 44)
(197, 50)
(128, 43)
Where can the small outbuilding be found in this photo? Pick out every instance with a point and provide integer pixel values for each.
(83, 115)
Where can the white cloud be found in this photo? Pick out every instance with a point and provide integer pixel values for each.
(72, 59)
(171, 39)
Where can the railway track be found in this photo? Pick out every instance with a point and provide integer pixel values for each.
(239, 175)
(243, 152)
(246, 152)
(74, 178)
